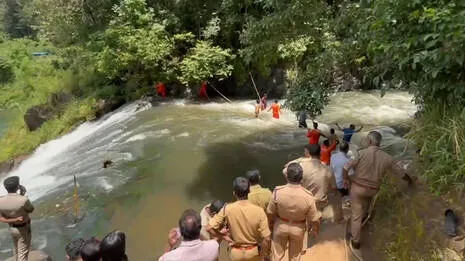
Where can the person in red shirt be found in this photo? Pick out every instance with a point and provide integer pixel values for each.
(326, 150)
(314, 135)
(263, 102)
(161, 89)
(203, 90)
(276, 109)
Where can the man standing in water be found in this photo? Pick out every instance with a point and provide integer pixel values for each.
(257, 109)
(348, 132)
(370, 168)
(257, 195)
(161, 89)
(314, 135)
(276, 109)
(291, 209)
(14, 205)
(203, 91)
(248, 226)
(302, 118)
(263, 102)
(326, 151)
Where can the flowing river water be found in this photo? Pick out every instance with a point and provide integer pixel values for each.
(172, 157)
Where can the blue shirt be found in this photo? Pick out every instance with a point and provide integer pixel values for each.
(338, 160)
(348, 132)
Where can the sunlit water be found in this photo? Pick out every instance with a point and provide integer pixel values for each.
(169, 158)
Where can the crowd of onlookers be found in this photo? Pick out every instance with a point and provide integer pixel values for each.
(111, 248)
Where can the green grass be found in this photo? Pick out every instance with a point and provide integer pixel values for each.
(440, 134)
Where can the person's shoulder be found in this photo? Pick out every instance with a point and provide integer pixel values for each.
(306, 192)
(211, 243)
(277, 188)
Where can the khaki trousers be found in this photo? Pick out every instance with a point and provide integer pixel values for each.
(360, 198)
(287, 236)
(22, 241)
(237, 254)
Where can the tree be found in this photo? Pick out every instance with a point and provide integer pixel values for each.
(14, 20)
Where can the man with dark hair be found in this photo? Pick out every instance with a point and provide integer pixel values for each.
(257, 195)
(113, 247)
(291, 209)
(191, 247)
(338, 160)
(314, 135)
(318, 179)
(349, 132)
(73, 249)
(369, 168)
(326, 150)
(90, 250)
(276, 109)
(302, 118)
(207, 213)
(332, 136)
(248, 225)
(15, 205)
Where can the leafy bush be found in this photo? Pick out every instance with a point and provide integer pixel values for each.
(6, 71)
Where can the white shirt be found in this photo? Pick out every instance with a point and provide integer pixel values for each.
(195, 250)
(338, 160)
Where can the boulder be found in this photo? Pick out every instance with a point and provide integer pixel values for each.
(35, 255)
(105, 106)
(12, 164)
(37, 115)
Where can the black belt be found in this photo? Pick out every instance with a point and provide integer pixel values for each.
(20, 225)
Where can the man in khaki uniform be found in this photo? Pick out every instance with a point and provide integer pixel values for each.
(14, 205)
(318, 179)
(370, 168)
(292, 207)
(248, 226)
(257, 195)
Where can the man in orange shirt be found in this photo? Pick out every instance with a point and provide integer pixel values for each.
(161, 89)
(276, 109)
(326, 150)
(314, 135)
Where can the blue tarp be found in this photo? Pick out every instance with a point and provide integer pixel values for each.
(41, 54)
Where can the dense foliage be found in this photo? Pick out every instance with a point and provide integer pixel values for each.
(108, 48)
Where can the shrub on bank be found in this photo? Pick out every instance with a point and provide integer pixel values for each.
(440, 136)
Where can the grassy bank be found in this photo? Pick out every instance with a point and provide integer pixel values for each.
(27, 81)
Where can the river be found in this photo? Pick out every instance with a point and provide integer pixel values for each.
(172, 157)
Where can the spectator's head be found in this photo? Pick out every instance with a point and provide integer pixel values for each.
(90, 250)
(265, 95)
(241, 188)
(312, 150)
(332, 131)
(113, 247)
(374, 138)
(315, 125)
(190, 225)
(276, 101)
(11, 184)
(344, 147)
(294, 173)
(215, 207)
(73, 250)
(352, 126)
(326, 143)
(253, 176)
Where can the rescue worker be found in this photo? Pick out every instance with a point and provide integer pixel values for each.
(14, 205)
(369, 169)
(332, 136)
(206, 214)
(263, 102)
(326, 151)
(292, 208)
(257, 195)
(315, 134)
(318, 179)
(203, 91)
(161, 89)
(248, 226)
(276, 109)
(348, 132)
(257, 109)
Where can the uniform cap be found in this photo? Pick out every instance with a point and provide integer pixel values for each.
(12, 181)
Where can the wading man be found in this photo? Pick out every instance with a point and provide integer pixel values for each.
(369, 170)
(349, 132)
(314, 135)
(15, 205)
(248, 226)
(292, 210)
